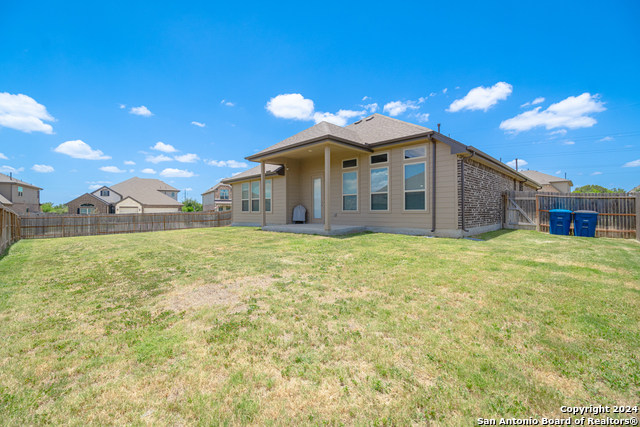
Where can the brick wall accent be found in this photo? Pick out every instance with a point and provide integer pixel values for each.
(482, 194)
(86, 198)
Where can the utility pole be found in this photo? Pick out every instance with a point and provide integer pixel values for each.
(516, 164)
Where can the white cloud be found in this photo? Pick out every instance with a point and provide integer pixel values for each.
(295, 106)
(99, 182)
(159, 158)
(521, 163)
(236, 173)
(187, 158)
(561, 132)
(457, 87)
(2, 156)
(161, 146)
(538, 100)
(132, 170)
(23, 113)
(228, 163)
(129, 162)
(340, 118)
(558, 172)
(396, 108)
(187, 189)
(371, 108)
(432, 94)
(42, 168)
(176, 173)
(571, 113)
(230, 104)
(122, 106)
(80, 150)
(198, 124)
(111, 169)
(95, 186)
(148, 170)
(633, 164)
(482, 98)
(422, 99)
(606, 138)
(565, 142)
(445, 90)
(9, 169)
(291, 106)
(366, 97)
(596, 173)
(422, 118)
(141, 111)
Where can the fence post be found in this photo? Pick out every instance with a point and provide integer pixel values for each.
(637, 217)
(164, 222)
(537, 214)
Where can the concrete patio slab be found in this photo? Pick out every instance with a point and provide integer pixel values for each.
(318, 229)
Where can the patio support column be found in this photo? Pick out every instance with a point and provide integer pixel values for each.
(262, 188)
(327, 188)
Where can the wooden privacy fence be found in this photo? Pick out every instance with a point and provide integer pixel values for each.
(91, 225)
(10, 228)
(619, 214)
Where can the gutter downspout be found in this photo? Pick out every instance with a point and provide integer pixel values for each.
(433, 191)
(473, 153)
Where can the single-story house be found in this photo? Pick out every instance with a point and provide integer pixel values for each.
(550, 183)
(378, 174)
(217, 198)
(135, 195)
(19, 196)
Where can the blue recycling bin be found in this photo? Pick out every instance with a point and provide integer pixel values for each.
(584, 223)
(560, 221)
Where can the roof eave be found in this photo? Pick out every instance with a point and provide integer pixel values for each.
(258, 156)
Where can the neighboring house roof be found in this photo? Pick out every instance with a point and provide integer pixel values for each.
(269, 170)
(4, 179)
(635, 190)
(146, 191)
(93, 196)
(4, 201)
(214, 188)
(543, 178)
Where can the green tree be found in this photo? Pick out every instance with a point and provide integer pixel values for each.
(50, 207)
(191, 205)
(597, 189)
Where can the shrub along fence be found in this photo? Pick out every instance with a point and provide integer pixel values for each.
(92, 225)
(619, 214)
(9, 228)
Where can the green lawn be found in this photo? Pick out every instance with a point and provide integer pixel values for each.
(234, 326)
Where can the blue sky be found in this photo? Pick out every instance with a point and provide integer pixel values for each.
(257, 73)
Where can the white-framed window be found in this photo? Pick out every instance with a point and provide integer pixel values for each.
(415, 152)
(104, 192)
(255, 196)
(267, 195)
(19, 191)
(350, 163)
(350, 191)
(379, 158)
(87, 209)
(245, 197)
(415, 186)
(380, 189)
(224, 194)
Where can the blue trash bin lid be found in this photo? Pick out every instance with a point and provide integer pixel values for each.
(587, 212)
(561, 210)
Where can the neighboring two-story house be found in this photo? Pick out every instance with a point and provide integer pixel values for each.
(217, 198)
(19, 196)
(135, 195)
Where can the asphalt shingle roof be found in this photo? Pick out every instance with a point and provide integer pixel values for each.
(146, 191)
(5, 178)
(543, 178)
(268, 170)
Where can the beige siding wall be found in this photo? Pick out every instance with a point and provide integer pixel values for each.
(128, 206)
(300, 191)
(278, 203)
